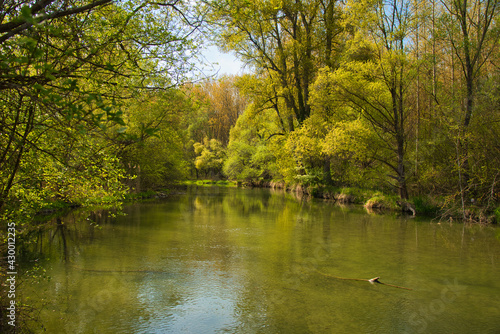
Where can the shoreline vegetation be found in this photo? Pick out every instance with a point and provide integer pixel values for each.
(373, 201)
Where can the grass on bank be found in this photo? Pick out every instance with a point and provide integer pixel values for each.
(377, 200)
(209, 183)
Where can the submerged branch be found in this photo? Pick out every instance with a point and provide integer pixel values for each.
(373, 280)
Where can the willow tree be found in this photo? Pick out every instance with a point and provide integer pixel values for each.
(374, 78)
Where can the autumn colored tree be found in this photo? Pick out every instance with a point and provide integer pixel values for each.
(226, 104)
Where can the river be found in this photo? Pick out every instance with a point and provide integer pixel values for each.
(231, 260)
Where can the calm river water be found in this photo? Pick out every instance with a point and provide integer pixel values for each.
(227, 260)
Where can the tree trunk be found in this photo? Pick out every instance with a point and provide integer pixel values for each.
(403, 189)
(327, 174)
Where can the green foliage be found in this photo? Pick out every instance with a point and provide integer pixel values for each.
(356, 195)
(497, 215)
(312, 177)
(250, 156)
(425, 206)
(237, 166)
(305, 144)
(380, 201)
(66, 83)
(349, 139)
(436, 164)
(140, 195)
(270, 37)
(210, 156)
(369, 93)
(154, 141)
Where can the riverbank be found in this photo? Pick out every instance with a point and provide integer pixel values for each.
(374, 201)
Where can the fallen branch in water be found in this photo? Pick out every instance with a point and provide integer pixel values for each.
(372, 280)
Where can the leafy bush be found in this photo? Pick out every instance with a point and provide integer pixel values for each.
(382, 202)
(355, 195)
(497, 215)
(425, 206)
(310, 177)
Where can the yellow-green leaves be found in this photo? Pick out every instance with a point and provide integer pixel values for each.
(210, 156)
(348, 139)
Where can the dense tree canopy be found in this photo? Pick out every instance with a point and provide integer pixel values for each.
(390, 95)
(69, 70)
(399, 96)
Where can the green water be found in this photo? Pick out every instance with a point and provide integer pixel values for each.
(218, 260)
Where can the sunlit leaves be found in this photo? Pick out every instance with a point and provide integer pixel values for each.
(349, 140)
(68, 74)
(154, 143)
(250, 155)
(210, 156)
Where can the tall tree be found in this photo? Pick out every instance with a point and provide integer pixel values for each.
(472, 32)
(375, 81)
(226, 105)
(286, 41)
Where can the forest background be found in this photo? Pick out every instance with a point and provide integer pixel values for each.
(396, 102)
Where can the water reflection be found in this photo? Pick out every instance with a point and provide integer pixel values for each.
(218, 260)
